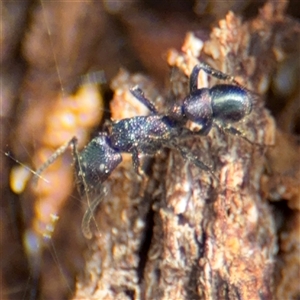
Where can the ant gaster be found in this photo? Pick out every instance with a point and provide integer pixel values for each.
(220, 105)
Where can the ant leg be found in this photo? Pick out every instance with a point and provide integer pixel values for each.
(139, 95)
(186, 154)
(233, 131)
(216, 73)
(194, 78)
(187, 133)
(79, 174)
(61, 150)
(210, 71)
(136, 162)
(89, 213)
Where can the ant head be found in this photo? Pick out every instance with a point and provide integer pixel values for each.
(197, 108)
(95, 163)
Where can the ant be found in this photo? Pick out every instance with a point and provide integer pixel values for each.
(220, 105)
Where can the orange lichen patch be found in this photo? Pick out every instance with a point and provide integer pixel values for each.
(72, 115)
(63, 117)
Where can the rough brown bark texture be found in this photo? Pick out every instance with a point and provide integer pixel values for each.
(209, 240)
(176, 232)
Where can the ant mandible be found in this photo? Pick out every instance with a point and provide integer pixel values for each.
(220, 105)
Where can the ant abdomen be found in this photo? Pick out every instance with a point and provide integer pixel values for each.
(230, 103)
